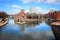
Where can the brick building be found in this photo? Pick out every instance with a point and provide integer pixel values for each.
(54, 15)
(26, 17)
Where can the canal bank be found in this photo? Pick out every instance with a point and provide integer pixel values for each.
(2, 24)
(56, 29)
(20, 32)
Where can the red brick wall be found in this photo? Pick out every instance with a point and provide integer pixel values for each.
(53, 15)
(58, 16)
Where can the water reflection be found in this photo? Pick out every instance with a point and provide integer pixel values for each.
(22, 27)
(28, 31)
(28, 24)
(33, 24)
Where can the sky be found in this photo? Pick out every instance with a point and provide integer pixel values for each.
(14, 6)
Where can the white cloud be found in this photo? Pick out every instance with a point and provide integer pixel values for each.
(52, 9)
(27, 1)
(41, 10)
(14, 11)
(26, 11)
(51, 1)
(38, 10)
(15, 6)
(41, 1)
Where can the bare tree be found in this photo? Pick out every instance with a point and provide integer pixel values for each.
(3, 15)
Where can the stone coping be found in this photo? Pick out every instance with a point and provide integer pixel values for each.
(56, 23)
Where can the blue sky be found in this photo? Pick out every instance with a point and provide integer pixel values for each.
(14, 6)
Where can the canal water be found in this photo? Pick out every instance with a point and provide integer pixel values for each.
(28, 31)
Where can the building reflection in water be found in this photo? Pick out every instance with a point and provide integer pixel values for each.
(28, 31)
(22, 26)
(29, 24)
